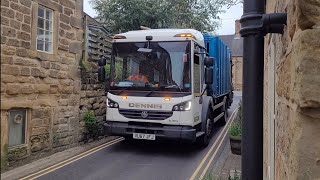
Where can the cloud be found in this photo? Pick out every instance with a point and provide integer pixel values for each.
(87, 8)
(228, 19)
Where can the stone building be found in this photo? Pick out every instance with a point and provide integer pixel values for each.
(291, 93)
(235, 42)
(41, 49)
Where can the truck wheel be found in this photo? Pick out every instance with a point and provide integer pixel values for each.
(203, 141)
(129, 140)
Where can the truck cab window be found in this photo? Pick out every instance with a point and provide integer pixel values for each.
(196, 72)
(165, 68)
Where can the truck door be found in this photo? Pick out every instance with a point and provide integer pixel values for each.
(197, 62)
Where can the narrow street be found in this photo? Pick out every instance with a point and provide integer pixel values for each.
(143, 160)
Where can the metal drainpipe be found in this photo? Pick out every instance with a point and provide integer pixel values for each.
(255, 24)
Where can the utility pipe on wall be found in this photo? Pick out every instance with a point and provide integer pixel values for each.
(255, 24)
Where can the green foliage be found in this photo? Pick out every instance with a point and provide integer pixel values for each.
(118, 70)
(84, 65)
(91, 123)
(240, 113)
(236, 176)
(125, 15)
(107, 68)
(236, 126)
(235, 129)
(55, 139)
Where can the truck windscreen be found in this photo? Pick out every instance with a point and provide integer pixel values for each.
(154, 66)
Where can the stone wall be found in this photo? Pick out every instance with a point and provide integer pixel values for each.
(292, 96)
(93, 98)
(237, 73)
(47, 85)
(93, 94)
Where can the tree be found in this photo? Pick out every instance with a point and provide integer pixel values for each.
(124, 15)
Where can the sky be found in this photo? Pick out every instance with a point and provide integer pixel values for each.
(227, 19)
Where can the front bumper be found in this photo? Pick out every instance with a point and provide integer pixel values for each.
(177, 133)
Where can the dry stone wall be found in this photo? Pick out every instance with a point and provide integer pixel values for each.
(93, 98)
(47, 85)
(296, 95)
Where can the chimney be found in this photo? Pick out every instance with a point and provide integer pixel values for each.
(237, 28)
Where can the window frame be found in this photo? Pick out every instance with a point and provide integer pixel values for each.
(196, 46)
(44, 29)
(25, 143)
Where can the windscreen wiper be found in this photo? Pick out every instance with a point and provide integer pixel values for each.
(154, 90)
(122, 90)
(164, 87)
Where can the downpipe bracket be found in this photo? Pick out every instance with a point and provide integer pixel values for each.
(258, 24)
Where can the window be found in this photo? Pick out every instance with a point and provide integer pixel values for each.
(196, 71)
(171, 60)
(196, 74)
(17, 127)
(156, 75)
(44, 35)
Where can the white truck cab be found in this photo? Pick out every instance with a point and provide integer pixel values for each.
(157, 86)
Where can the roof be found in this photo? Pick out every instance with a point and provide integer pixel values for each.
(161, 35)
(93, 23)
(235, 44)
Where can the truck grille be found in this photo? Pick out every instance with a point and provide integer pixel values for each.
(151, 115)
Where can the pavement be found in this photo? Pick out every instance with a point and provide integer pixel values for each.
(227, 165)
(114, 158)
(237, 93)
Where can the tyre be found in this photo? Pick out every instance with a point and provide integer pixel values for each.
(204, 140)
(129, 140)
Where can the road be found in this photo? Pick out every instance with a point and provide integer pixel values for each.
(142, 161)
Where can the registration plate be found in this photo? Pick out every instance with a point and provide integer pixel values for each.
(144, 136)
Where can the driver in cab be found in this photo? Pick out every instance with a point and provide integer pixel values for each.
(138, 77)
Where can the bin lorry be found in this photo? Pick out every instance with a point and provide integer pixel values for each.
(169, 84)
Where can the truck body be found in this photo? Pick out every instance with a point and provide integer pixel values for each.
(163, 85)
(222, 80)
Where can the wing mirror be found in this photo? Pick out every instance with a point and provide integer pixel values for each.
(208, 75)
(102, 62)
(101, 74)
(208, 61)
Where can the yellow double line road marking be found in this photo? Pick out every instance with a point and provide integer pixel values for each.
(224, 133)
(71, 160)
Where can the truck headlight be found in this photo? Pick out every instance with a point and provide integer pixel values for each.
(184, 106)
(112, 104)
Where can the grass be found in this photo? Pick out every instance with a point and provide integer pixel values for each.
(91, 123)
(235, 129)
(236, 176)
(236, 126)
